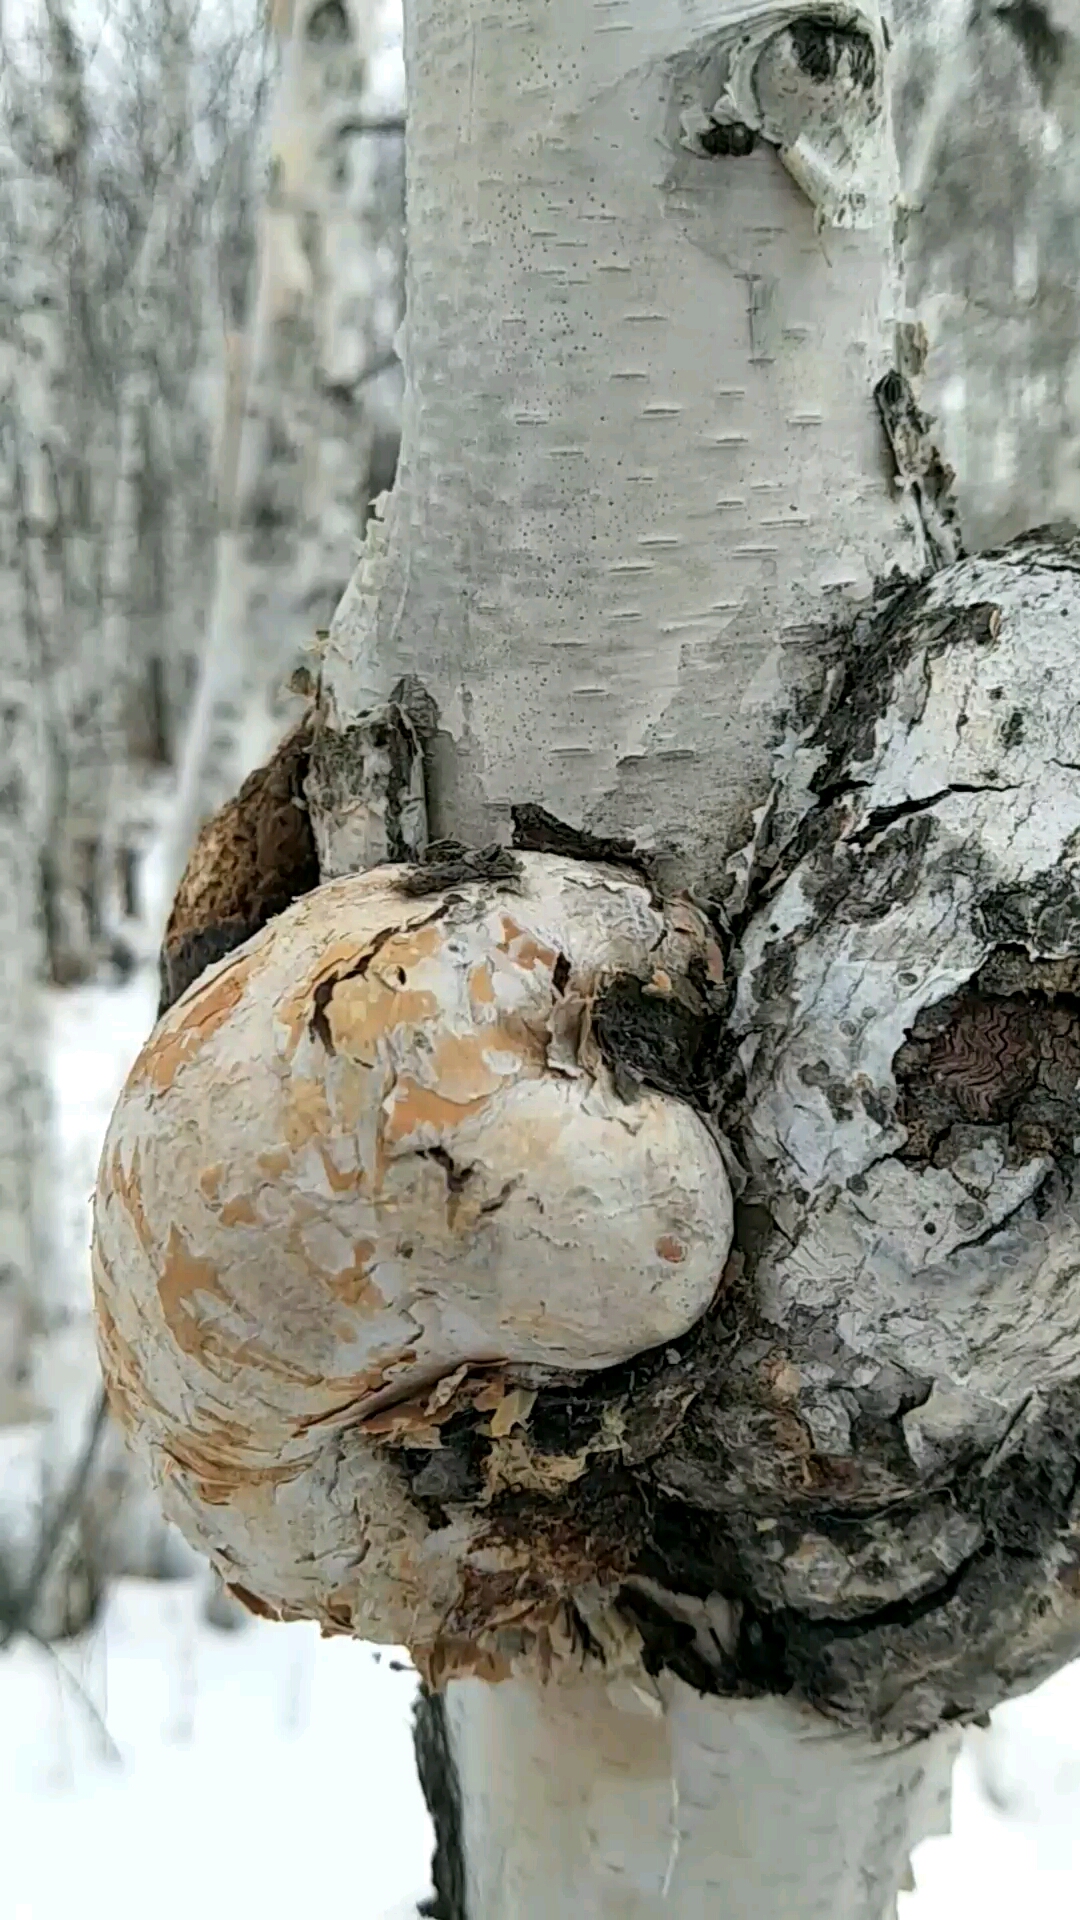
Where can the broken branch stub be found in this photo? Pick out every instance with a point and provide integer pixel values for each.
(367, 1167)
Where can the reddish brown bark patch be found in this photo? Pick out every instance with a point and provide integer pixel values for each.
(252, 860)
(983, 1058)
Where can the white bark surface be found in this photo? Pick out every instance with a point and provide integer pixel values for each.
(673, 1804)
(987, 105)
(641, 472)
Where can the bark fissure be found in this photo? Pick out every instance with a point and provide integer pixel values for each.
(442, 1794)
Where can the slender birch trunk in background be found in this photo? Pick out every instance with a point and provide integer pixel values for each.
(727, 828)
(24, 1155)
(38, 145)
(152, 275)
(301, 431)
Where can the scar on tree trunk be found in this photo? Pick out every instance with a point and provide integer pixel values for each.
(442, 1795)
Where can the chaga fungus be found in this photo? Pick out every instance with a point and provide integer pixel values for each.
(366, 1166)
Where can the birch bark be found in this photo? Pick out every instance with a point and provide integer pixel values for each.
(642, 481)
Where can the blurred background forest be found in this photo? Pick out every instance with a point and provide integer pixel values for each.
(201, 278)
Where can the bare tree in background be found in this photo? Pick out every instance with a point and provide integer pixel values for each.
(129, 148)
(311, 427)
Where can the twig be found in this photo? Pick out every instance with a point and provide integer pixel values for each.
(93, 1713)
(388, 123)
(22, 1607)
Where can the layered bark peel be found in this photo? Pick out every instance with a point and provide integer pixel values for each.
(362, 1167)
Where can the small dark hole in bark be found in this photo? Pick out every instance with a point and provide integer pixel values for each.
(652, 1040)
(728, 140)
(820, 45)
(328, 24)
(320, 1025)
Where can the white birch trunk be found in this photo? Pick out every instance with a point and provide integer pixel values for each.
(640, 475)
(736, 1810)
(641, 478)
(33, 208)
(151, 276)
(24, 1161)
(299, 429)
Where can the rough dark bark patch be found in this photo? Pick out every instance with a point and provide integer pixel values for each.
(1042, 44)
(248, 864)
(376, 765)
(537, 831)
(982, 1060)
(920, 466)
(449, 863)
(717, 1505)
(820, 47)
(728, 139)
(870, 661)
(663, 1040)
(442, 1795)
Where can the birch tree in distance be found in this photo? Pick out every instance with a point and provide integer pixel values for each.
(615, 1233)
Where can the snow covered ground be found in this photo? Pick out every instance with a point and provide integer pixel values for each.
(260, 1771)
(164, 1766)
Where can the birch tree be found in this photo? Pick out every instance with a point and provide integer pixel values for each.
(614, 1234)
(32, 203)
(313, 392)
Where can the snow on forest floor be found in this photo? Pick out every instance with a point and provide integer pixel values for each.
(163, 1765)
(259, 1771)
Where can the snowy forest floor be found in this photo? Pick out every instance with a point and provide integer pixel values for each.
(162, 1764)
